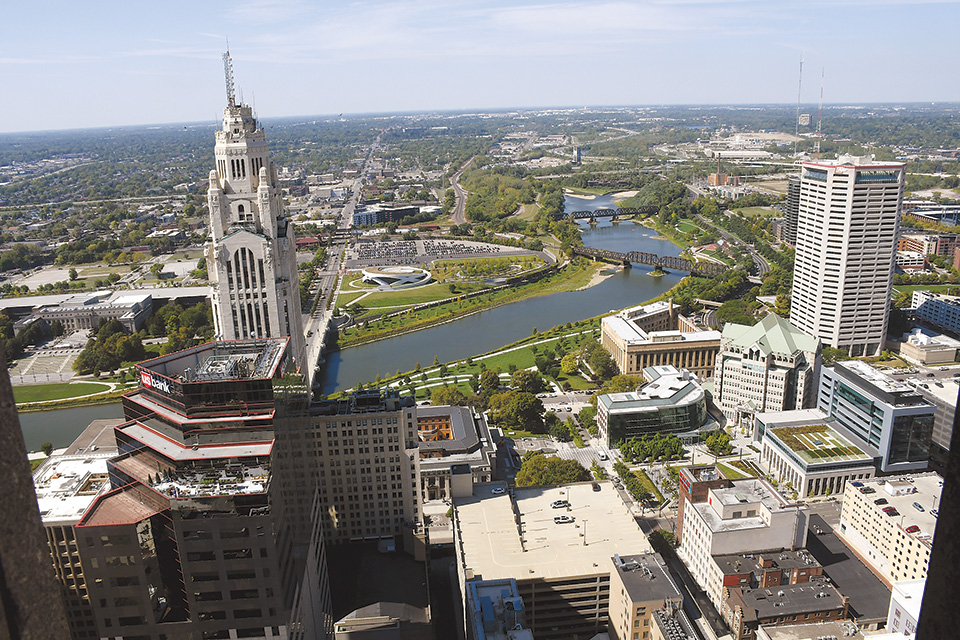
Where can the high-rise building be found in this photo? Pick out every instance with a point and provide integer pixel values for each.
(251, 257)
(361, 454)
(847, 222)
(791, 210)
(188, 540)
(885, 418)
(769, 366)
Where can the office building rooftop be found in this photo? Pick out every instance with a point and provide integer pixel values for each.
(66, 485)
(646, 578)
(506, 537)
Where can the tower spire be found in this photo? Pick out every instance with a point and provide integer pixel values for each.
(228, 76)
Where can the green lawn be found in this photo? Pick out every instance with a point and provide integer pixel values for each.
(417, 295)
(59, 391)
(648, 484)
(529, 212)
(523, 434)
(344, 299)
(767, 212)
(687, 227)
(731, 472)
(720, 256)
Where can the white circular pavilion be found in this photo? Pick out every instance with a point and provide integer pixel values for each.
(396, 277)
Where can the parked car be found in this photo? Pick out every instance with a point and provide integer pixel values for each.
(880, 501)
(498, 490)
(918, 507)
(559, 504)
(562, 519)
(934, 513)
(912, 529)
(603, 456)
(595, 486)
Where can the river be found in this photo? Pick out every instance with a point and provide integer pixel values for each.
(488, 330)
(478, 333)
(61, 427)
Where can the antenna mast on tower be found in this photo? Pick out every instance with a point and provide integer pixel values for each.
(796, 136)
(228, 76)
(820, 115)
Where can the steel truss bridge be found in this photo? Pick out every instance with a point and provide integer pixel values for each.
(654, 260)
(606, 213)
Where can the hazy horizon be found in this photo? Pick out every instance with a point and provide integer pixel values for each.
(75, 66)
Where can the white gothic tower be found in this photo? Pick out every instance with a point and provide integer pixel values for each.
(251, 257)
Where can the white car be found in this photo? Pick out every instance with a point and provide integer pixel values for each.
(562, 519)
(498, 490)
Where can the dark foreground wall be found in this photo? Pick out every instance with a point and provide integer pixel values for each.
(30, 604)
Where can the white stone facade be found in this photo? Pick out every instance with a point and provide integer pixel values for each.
(747, 517)
(848, 219)
(252, 254)
(770, 366)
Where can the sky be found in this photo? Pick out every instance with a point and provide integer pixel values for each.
(69, 64)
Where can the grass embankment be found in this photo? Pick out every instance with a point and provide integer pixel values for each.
(682, 240)
(573, 276)
(69, 403)
(766, 212)
(59, 391)
(517, 355)
(648, 485)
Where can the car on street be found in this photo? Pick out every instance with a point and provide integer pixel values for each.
(562, 519)
(559, 504)
(498, 490)
(603, 456)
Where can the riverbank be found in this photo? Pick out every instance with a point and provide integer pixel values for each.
(573, 276)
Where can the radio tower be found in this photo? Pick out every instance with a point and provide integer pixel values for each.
(820, 115)
(796, 135)
(228, 76)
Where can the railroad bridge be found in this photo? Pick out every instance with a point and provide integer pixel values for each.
(664, 262)
(607, 213)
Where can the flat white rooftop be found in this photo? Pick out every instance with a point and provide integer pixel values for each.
(67, 484)
(877, 378)
(490, 535)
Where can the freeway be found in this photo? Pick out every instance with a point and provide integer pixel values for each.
(458, 216)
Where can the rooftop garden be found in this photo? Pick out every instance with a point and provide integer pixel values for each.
(816, 442)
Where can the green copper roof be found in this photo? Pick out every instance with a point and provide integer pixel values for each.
(773, 334)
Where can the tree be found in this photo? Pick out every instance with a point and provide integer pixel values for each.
(517, 410)
(831, 355)
(156, 269)
(718, 442)
(569, 364)
(47, 448)
(448, 395)
(602, 364)
(72, 274)
(538, 470)
(489, 381)
(526, 380)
